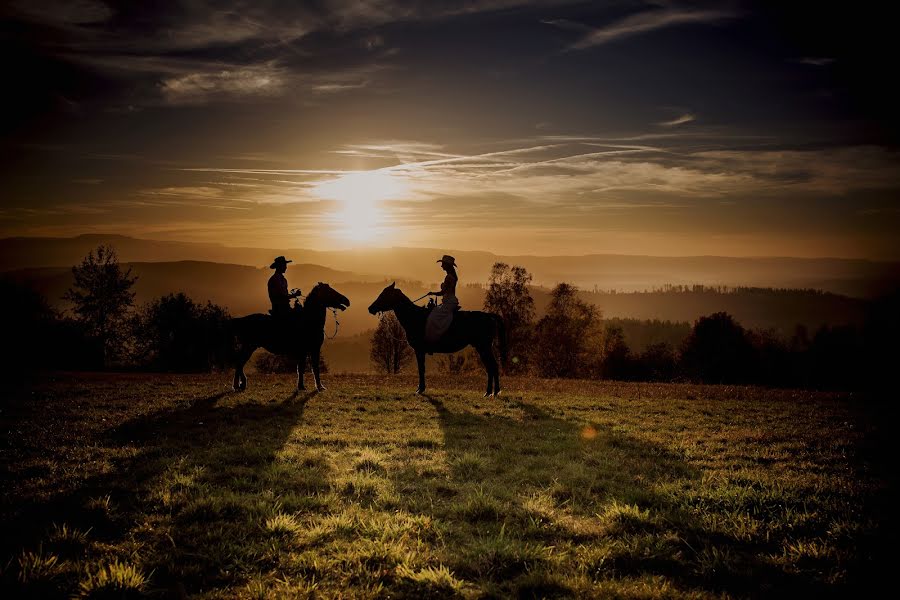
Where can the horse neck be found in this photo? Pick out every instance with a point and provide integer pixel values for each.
(406, 312)
(314, 310)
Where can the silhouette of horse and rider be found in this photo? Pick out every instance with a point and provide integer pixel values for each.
(298, 331)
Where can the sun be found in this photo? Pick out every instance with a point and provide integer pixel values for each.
(361, 194)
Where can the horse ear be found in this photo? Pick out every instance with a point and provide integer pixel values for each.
(393, 285)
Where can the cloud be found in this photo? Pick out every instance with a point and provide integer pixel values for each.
(639, 23)
(680, 120)
(199, 87)
(196, 192)
(816, 61)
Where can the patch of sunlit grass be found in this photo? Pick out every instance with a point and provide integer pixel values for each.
(113, 580)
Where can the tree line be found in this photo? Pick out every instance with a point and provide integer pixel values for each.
(573, 340)
(104, 329)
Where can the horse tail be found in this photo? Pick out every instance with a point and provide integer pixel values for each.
(501, 339)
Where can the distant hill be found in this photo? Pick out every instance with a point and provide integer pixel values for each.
(851, 277)
(242, 289)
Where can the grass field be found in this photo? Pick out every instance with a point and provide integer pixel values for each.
(131, 485)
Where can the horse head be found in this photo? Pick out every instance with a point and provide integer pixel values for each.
(389, 298)
(328, 297)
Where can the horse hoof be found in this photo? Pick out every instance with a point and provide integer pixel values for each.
(497, 394)
(419, 392)
(321, 388)
(488, 395)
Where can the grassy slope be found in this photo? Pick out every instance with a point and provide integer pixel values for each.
(560, 488)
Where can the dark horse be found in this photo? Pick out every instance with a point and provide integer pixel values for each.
(469, 328)
(301, 336)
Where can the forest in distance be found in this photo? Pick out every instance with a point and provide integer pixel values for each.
(776, 337)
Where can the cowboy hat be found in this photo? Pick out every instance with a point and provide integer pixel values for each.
(447, 259)
(280, 260)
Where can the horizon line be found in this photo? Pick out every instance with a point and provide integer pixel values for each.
(458, 250)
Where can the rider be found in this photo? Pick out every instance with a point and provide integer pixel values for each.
(278, 289)
(440, 318)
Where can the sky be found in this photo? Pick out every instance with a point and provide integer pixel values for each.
(521, 127)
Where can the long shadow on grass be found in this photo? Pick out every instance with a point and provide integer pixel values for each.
(196, 491)
(524, 487)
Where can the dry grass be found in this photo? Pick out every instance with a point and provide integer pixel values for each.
(130, 485)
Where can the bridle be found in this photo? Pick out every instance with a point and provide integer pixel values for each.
(337, 323)
(381, 316)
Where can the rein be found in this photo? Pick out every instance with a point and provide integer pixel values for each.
(337, 324)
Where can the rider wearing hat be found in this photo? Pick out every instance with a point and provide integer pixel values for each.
(278, 289)
(440, 318)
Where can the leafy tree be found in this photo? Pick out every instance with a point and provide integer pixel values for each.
(564, 334)
(27, 322)
(656, 363)
(775, 364)
(717, 351)
(174, 333)
(389, 351)
(615, 356)
(836, 357)
(102, 295)
(508, 296)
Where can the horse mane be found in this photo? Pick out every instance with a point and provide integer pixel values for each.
(405, 297)
(313, 293)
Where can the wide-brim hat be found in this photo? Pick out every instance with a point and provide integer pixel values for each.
(447, 259)
(279, 261)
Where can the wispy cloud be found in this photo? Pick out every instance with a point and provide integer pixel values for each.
(816, 61)
(578, 178)
(199, 87)
(641, 23)
(680, 120)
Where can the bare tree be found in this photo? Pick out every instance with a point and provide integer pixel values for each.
(389, 351)
(102, 295)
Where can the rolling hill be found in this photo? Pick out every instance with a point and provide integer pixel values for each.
(852, 277)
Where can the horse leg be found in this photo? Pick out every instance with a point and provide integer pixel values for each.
(301, 367)
(490, 365)
(314, 363)
(240, 379)
(420, 361)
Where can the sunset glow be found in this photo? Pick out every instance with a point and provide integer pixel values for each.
(361, 214)
(557, 128)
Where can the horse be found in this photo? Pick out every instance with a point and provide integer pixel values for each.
(297, 338)
(469, 328)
